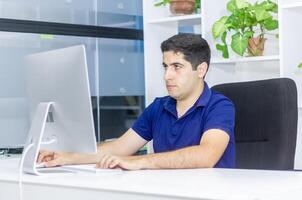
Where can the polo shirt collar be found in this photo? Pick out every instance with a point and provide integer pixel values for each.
(203, 99)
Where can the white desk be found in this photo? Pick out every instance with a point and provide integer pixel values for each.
(153, 184)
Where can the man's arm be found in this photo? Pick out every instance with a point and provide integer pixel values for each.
(126, 145)
(212, 145)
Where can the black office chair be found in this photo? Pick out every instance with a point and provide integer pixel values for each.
(266, 122)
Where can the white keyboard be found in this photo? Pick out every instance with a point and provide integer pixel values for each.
(90, 168)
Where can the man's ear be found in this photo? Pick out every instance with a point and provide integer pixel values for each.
(202, 69)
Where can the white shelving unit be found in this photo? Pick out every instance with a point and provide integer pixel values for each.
(159, 25)
(280, 59)
(245, 59)
(236, 68)
(191, 19)
(290, 26)
(296, 5)
(291, 42)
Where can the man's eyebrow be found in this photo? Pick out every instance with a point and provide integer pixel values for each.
(174, 63)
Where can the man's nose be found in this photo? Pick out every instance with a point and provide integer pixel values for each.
(168, 73)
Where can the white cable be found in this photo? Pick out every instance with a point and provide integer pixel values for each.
(25, 151)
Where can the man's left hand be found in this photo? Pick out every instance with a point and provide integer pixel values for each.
(127, 163)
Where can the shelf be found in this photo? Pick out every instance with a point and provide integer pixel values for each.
(245, 59)
(297, 6)
(188, 19)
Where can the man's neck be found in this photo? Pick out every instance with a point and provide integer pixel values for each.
(184, 105)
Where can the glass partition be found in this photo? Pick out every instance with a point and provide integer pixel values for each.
(115, 66)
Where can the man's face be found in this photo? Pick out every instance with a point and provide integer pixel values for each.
(181, 80)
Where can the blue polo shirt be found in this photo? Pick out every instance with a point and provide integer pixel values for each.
(212, 110)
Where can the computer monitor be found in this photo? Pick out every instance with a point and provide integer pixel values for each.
(60, 104)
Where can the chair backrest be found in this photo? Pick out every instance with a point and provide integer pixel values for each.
(266, 122)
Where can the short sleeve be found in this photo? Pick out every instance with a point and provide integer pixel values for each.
(221, 115)
(143, 125)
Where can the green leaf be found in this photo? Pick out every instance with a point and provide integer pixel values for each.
(261, 14)
(249, 20)
(223, 49)
(275, 9)
(242, 4)
(197, 4)
(231, 6)
(242, 14)
(233, 22)
(248, 34)
(223, 37)
(219, 27)
(270, 6)
(162, 3)
(270, 24)
(224, 19)
(300, 65)
(158, 4)
(239, 44)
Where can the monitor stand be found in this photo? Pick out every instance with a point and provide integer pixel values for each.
(34, 137)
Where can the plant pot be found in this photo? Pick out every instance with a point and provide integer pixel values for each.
(256, 46)
(182, 6)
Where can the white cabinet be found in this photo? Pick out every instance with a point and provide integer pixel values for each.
(280, 59)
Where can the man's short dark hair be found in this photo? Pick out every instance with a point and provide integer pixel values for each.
(195, 49)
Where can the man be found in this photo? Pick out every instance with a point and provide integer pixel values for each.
(193, 127)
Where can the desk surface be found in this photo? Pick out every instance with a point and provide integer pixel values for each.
(162, 184)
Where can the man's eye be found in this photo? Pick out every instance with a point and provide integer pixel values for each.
(177, 66)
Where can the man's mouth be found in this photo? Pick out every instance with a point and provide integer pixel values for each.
(170, 86)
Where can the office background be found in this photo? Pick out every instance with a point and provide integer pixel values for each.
(115, 59)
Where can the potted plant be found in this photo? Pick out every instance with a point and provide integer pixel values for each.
(247, 25)
(180, 6)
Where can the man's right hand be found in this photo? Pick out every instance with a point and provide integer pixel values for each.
(126, 145)
(52, 159)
